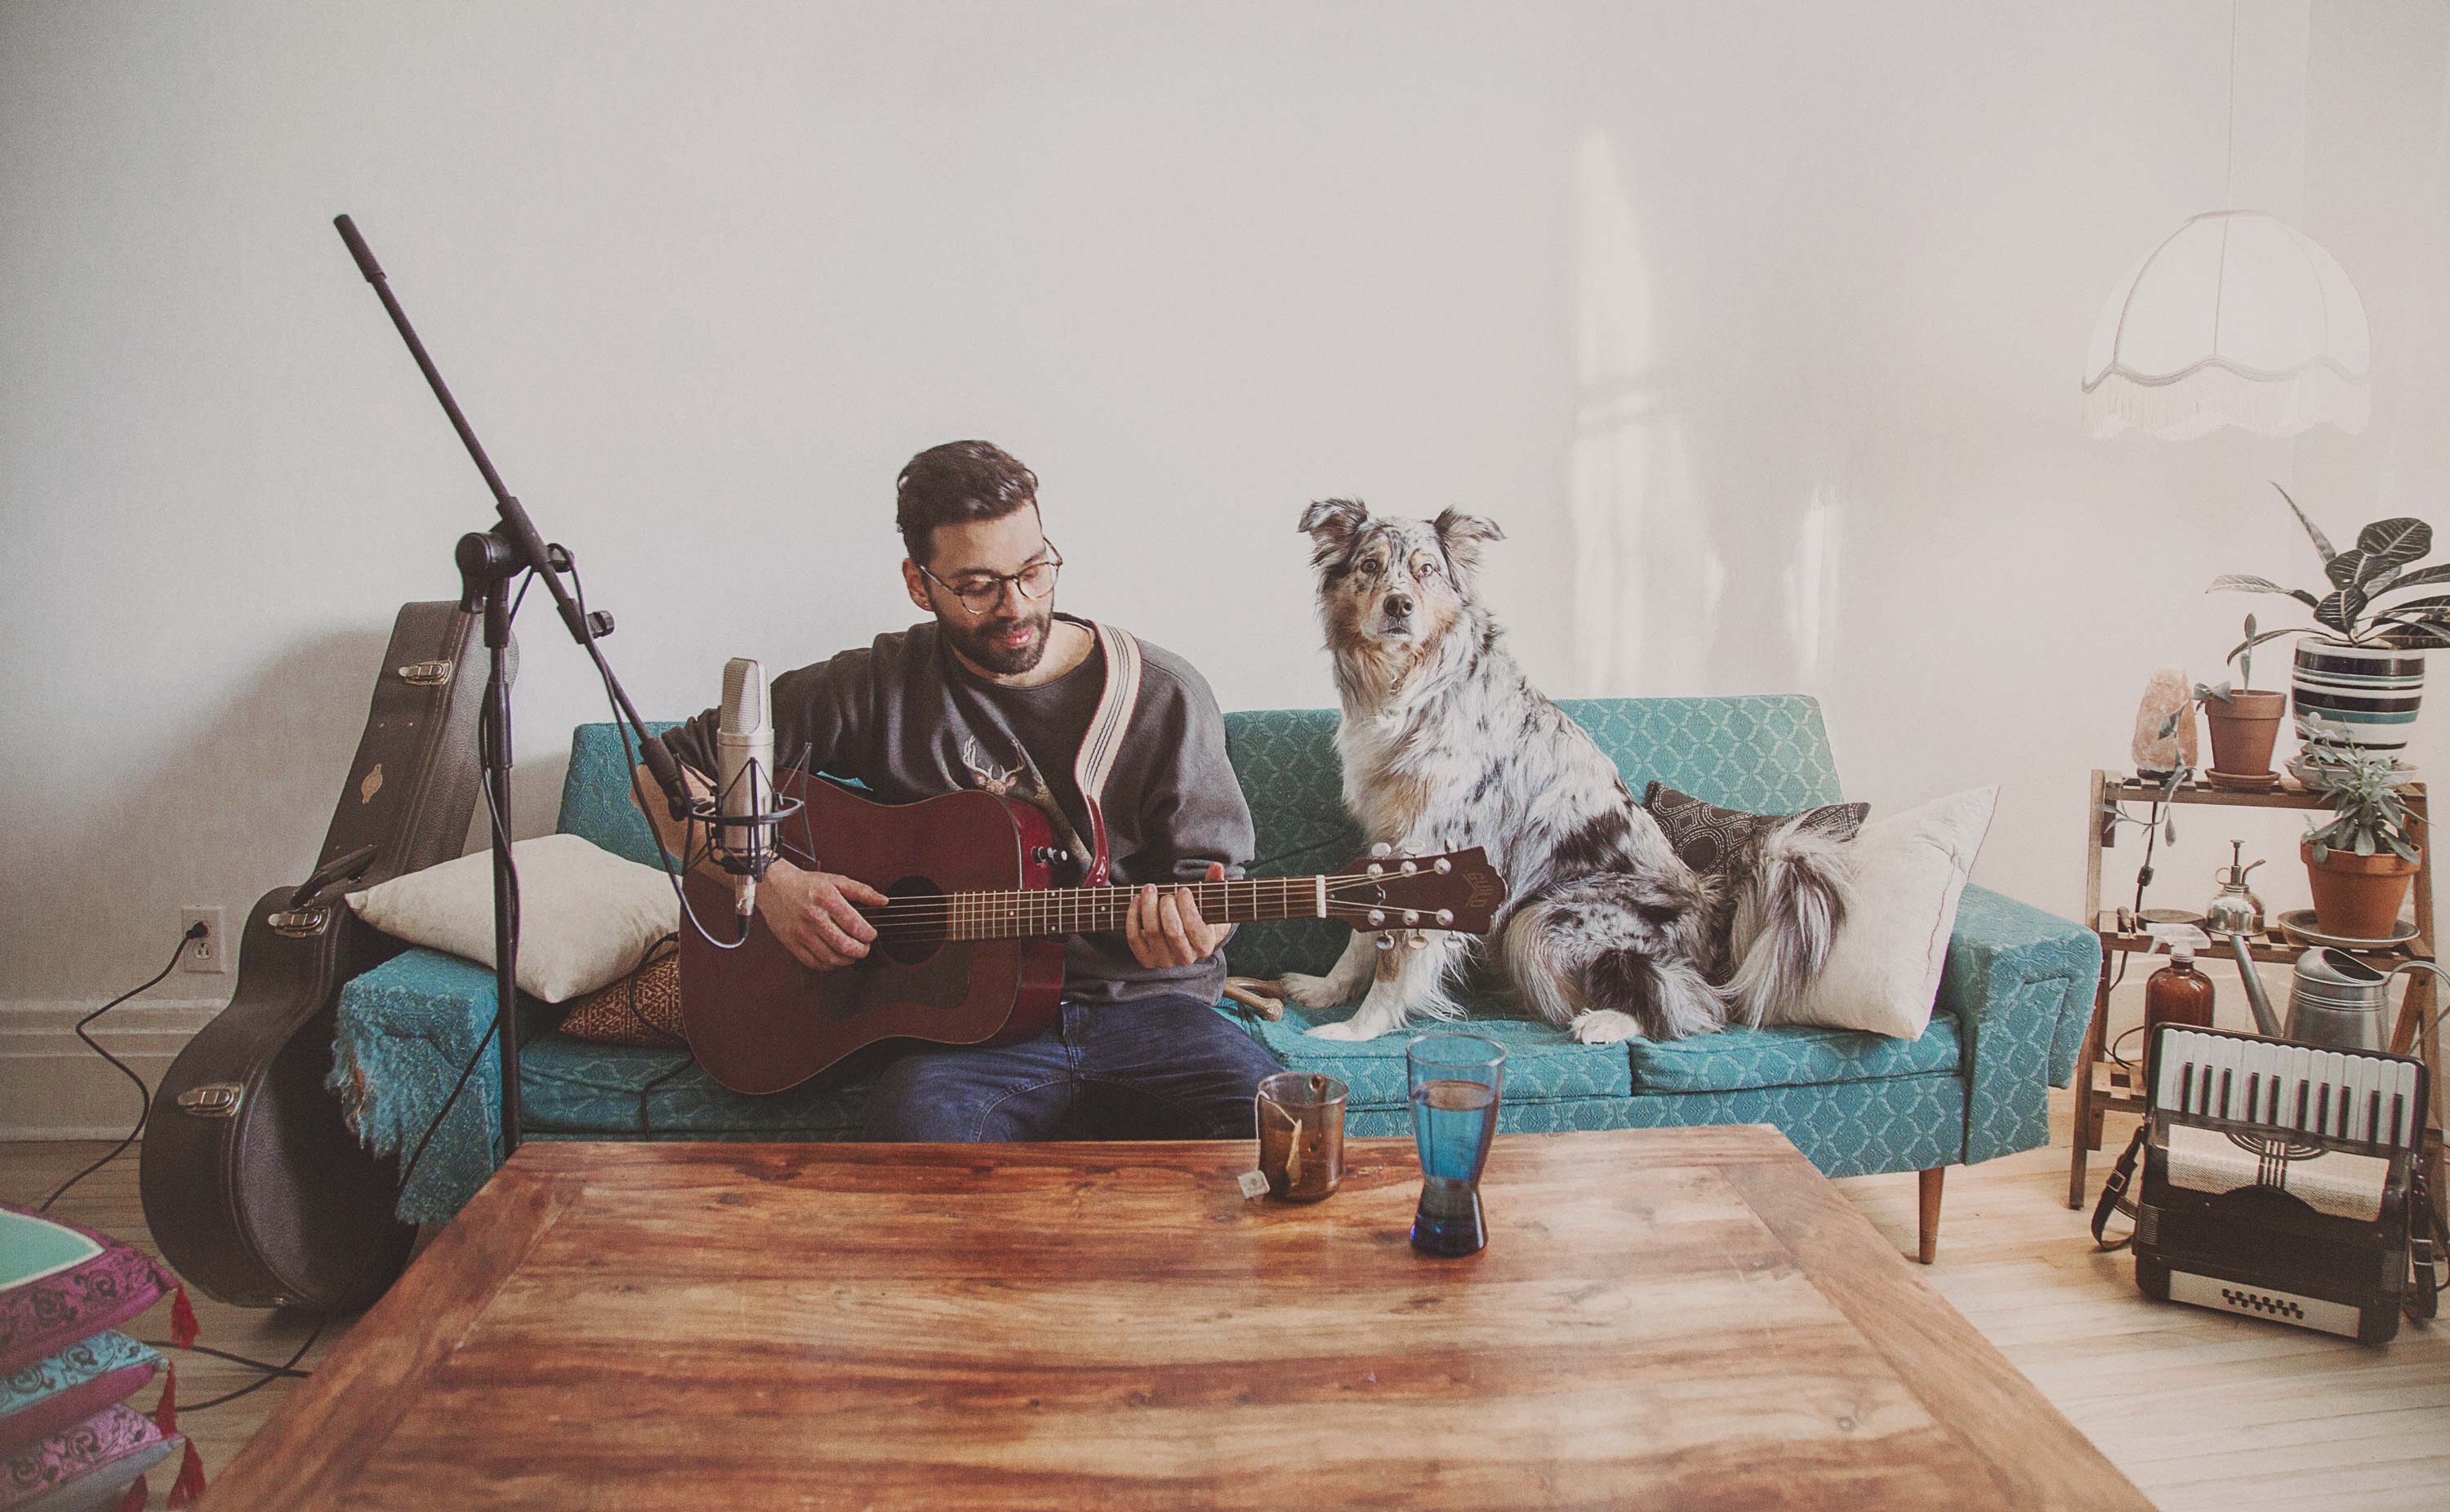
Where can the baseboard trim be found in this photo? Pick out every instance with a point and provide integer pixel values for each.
(53, 1087)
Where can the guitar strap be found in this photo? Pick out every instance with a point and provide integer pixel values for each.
(1104, 740)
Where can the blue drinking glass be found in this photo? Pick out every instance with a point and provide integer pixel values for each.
(1457, 1080)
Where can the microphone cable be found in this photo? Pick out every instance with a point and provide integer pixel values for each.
(638, 794)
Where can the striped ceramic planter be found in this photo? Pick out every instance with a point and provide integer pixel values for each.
(2372, 690)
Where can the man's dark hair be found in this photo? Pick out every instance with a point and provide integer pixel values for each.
(953, 484)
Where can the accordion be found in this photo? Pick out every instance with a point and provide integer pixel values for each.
(2283, 1181)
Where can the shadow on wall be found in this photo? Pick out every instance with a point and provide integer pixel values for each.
(278, 760)
(1700, 566)
(257, 786)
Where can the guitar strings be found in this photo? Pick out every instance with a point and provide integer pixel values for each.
(1092, 897)
(912, 915)
(1007, 918)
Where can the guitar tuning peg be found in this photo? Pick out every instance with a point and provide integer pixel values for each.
(1419, 940)
(1374, 869)
(1386, 942)
(1442, 865)
(1445, 918)
(1377, 918)
(1409, 867)
(1382, 850)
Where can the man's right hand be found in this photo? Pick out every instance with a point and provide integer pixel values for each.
(815, 914)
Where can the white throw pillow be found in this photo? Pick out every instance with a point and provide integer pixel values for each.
(1909, 871)
(586, 916)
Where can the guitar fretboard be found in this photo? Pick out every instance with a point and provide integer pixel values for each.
(1032, 912)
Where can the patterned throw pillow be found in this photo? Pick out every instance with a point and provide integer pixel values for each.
(85, 1466)
(65, 1388)
(641, 1009)
(60, 1284)
(1705, 835)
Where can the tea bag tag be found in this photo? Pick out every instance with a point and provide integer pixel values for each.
(1254, 1184)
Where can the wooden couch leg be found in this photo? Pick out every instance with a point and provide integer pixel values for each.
(1931, 1180)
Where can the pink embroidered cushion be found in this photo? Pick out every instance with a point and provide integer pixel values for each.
(61, 1283)
(84, 1466)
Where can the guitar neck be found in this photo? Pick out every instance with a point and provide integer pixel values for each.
(1034, 912)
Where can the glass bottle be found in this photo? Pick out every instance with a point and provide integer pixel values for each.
(2176, 993)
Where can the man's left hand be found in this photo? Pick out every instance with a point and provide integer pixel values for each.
(1165, 929)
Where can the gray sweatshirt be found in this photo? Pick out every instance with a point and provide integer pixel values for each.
(906, 719)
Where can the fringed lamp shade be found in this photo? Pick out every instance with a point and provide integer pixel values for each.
(2236, 320)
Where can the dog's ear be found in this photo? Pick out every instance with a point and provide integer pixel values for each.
(1331, 524)
(1463, 535)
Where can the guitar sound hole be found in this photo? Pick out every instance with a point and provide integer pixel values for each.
(911, 931)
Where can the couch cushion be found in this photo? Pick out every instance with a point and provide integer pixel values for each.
(1787, 1056)
(1543, 1064)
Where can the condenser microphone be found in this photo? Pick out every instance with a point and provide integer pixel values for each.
(743, 774)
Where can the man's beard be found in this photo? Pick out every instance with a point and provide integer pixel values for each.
(988, 644)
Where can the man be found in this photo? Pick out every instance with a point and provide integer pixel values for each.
(998, 691)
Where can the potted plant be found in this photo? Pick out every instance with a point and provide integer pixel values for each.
(2245, 725)
(2360, 863)
(2363, 666)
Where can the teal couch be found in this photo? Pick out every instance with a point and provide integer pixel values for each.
(2012, 1005)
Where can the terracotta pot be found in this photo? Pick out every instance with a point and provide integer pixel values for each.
(2356, 895)
(2243, 732)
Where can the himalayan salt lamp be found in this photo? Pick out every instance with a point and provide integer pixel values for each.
(2156, 754)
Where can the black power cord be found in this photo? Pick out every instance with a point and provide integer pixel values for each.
(288, 1369)
(271, 1372)
(143, 1093)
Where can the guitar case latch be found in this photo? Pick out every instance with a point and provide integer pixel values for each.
(213, 1099)
(298, 923)
(426, 675)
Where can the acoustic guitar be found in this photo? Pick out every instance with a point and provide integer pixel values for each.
(969, 950)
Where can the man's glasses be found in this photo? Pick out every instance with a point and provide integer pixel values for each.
(980, 593)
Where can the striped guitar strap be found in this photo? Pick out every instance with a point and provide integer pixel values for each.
(1104, 742)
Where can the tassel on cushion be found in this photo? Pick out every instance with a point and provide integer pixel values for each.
(182, 1319)
(135, 1498)
(166, 1413)
(190, 1483)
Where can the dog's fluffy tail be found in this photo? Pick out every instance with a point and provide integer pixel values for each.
(1787, 915)
(1617, 942)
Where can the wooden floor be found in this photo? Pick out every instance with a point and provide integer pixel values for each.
(2200, 1410)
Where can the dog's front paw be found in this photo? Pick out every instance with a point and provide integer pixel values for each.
(1314, 992)
(1605, 1027)
(1349, 1028)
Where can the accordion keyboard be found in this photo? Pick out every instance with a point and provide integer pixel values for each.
(2343, 1095)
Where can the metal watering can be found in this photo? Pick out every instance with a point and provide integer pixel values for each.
(2335, 1001)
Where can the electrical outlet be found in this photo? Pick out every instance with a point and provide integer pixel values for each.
(210, 953)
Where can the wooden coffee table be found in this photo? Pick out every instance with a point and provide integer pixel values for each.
(1669, 1318)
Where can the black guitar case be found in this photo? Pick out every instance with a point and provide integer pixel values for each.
(254, 1186)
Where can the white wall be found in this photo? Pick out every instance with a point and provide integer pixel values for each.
(1756, 325)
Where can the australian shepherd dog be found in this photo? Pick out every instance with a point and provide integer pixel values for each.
(1447, 745)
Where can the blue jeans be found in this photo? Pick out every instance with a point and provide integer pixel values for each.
(1163, 1068)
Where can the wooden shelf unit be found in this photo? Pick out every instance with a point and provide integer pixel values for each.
(2103, 1087)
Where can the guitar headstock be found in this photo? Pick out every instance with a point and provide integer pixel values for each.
(1457, 890)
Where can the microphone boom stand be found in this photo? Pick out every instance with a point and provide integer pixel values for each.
(489, 561)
